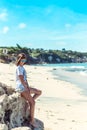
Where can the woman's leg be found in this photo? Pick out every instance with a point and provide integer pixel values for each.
(36, 92)
(31, 102)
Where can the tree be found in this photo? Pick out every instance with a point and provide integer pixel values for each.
(63, 49)
(18, 46)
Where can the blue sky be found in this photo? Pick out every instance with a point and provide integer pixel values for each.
(47, 24)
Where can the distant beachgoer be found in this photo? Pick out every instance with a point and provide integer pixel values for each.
(23, 87)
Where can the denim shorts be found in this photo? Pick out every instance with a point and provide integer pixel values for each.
(20, 88)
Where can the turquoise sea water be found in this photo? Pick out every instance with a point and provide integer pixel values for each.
(72, 65)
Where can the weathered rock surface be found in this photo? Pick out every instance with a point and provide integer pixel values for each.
(13, 114)
(3, 127)
(21, 128)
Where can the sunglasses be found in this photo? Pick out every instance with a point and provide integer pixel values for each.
(23, 60)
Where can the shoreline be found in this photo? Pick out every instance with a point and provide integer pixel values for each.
(61, 105)
(79, 79)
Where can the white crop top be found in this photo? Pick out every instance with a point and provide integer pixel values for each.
(20, 70)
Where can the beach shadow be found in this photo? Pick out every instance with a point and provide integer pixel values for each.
(39, 123)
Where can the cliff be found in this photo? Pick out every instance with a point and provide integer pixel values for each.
(40, 56)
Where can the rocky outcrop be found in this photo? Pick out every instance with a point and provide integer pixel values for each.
(13, 112)
(3, 127)
(22, 128)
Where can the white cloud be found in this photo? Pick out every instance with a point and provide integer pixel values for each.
(22, 25)
(3, 15)
(5, 29)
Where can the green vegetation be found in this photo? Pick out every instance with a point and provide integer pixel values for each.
(39, 55)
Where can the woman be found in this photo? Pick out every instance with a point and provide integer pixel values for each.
(23, 87)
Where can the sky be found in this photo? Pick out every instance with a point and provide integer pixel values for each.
(47, 24)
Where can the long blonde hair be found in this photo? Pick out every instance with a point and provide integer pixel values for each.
(19, 57)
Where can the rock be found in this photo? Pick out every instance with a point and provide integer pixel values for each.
(4, 89)
(3, 106)
(12, 108)
(17, 105)
(3, 127)
(13, 115)
(21, 128)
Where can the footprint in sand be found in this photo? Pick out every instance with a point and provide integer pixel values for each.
(61, 119)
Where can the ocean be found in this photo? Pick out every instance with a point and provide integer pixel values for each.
(75, 73)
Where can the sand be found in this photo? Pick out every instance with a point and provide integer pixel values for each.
(62, 106)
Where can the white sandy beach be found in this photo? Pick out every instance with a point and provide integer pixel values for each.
(65, 107)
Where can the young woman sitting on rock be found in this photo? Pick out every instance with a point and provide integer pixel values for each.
(23, 87)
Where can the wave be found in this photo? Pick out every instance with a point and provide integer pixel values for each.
(75, 68)
(82, 70)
